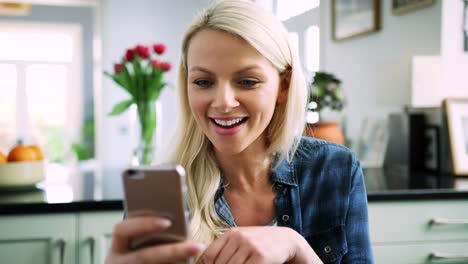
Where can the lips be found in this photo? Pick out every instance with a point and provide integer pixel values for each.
(229, 122)
(228, 126)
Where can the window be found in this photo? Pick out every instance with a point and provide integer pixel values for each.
(304, 31)
(40, 86)
(8, 84)
(51, 47)
(287, 9)
(294, 39)
(47, 104)
(312, 57)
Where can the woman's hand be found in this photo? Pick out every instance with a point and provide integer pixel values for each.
(137, 226)
(260, 245)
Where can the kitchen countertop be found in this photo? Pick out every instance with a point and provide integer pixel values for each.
(89, 193)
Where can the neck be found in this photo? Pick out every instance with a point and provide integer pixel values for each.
(246, 171)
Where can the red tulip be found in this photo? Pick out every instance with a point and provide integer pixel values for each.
(165, 66)
(142, 51)
(155, 64)
(159, 48)
(118, 68)
(129, 55)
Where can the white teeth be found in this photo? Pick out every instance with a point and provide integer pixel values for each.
(227, 122)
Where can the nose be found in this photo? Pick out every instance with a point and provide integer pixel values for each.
(225, 98)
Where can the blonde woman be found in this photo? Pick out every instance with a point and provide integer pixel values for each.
(259, 192)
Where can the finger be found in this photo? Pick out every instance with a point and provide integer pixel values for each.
(240, 256)
(254, 259)
(134, 227)
(168, 253)
(228, 251)
(212, 252)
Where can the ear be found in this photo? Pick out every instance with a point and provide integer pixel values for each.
(285, 80)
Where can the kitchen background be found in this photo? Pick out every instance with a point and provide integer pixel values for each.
(376, 70)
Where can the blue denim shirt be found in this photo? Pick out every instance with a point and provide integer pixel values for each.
(321, 195)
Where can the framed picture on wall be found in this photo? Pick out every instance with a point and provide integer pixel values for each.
(456, 111)
(465, 25)
(403, 6)
(352, 18)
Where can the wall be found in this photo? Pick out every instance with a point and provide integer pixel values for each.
(376, 68)
(124, 25)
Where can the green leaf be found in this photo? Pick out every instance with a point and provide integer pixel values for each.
(157, 78)
(157, 91)
(81, 152)
(138, 82)
(148, 72)
(117, 78)
(127, 76)
(337, 95)
(156, 86)
(318, 91)
(121, 107)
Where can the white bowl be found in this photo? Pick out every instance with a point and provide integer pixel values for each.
(21, 174)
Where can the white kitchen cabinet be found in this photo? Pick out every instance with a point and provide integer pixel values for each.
(39, 239)
(95, 235)
(65, 238)
(431, 231)
(401, 232)
(445, 252)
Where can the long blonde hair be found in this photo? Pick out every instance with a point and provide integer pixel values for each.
(193, 149)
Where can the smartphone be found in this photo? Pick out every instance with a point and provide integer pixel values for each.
(157, 191)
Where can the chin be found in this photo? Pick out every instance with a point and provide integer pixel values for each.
(228, 148)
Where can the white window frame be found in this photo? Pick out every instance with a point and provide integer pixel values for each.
(299, 24)
(74, 114)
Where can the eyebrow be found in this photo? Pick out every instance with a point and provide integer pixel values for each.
(198, 68)
(248, 68)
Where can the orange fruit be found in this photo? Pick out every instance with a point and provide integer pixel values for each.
(38, 151)
(3, 158)
(21, 153)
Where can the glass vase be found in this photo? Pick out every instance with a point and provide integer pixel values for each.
(143, 153)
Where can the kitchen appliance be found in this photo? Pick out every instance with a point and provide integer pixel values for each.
(413, 159)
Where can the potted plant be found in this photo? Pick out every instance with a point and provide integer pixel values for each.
(326, 101)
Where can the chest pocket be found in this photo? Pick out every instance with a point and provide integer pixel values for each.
(330, 245)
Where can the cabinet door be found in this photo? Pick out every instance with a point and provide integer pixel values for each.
(94, 235)
(409, 221)
(39, 239)
(422, 253)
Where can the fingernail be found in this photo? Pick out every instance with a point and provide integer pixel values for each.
(196, 249)
(165, 223)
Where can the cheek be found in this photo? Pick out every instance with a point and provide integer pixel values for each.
(262, 107)
(267, 101)
(197, 103)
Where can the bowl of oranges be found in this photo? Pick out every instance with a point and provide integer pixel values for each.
(22, 167)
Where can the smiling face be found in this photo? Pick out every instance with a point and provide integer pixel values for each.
(232, 90)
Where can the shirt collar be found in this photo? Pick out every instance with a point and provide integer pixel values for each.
(281, 175)
(284, 173)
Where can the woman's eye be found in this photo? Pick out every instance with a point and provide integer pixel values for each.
(203, 83)
(248, 83)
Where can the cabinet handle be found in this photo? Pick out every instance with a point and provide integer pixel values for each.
(447, 221)
(445, 256)
(61, 243)
(92, 242)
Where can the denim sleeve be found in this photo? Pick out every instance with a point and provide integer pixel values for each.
(357, 223)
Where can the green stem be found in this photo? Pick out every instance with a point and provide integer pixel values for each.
(147, 118)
